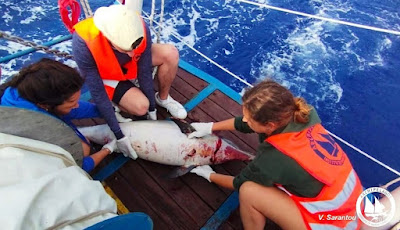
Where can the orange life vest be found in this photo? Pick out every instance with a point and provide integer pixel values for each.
(316, 151)
(102, 52)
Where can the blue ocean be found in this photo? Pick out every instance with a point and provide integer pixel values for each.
(350, 75)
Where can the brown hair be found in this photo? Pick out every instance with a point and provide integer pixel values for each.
(269, 101)
(46, 82)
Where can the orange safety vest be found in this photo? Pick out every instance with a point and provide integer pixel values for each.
(316, 151)
(102, 52)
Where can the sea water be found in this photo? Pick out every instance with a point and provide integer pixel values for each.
(350, 75)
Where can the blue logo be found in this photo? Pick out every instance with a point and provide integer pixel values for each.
(326, 147)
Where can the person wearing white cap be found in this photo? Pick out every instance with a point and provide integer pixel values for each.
(113, 49)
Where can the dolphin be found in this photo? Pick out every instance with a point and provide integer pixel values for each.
(166, 142)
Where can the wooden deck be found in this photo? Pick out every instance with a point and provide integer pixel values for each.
(190, 201)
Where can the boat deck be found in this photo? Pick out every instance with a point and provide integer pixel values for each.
(188, 202)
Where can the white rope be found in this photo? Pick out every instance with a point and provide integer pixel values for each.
(365, 154)
(250, 85)
(321, 18)
(386, 186)
(160, 21)
(86, 8)
(151, 17)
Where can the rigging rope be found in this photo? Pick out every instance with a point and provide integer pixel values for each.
(86, 8)
(151, 17)
(177, 36)
(34, 45)
(390, 183)
(160, 22)
(158, 33)
(365, 154)
(321, 18)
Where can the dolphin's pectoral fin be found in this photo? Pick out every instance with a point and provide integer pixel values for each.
(180, 171)
(183, 125)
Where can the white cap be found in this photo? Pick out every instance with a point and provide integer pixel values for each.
(119, 25)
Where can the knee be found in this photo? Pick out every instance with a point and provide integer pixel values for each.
(247, 190)
(140, 108)
(171, 54)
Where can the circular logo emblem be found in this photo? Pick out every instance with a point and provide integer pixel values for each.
(372, 211)
(325, 147)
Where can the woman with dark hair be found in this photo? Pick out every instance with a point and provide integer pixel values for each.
(300, 178)
(53, 88)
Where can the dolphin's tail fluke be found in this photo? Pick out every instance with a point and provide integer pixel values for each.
(228, 151)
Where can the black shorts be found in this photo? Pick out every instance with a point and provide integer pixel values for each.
(121, 89)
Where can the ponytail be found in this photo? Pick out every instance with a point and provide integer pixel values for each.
(269, 101)
(302, 112)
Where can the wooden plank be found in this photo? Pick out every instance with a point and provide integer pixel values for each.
(88, 122)
(227, 226)
(132, 200)
(128, 194)
(155, 196)
(229, 105)
(180, 192)
(213, 105)
(196, 82)
(233, 221)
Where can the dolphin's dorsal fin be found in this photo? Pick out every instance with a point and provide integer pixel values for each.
(183, 125)
(180, 171)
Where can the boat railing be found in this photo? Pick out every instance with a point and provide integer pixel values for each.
(231, 202)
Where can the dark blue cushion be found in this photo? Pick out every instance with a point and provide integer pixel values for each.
(134, 220)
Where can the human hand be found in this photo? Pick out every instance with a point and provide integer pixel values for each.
(125, 147)
(204, 171)
(202, 129)
(112, 145)
(152, 115)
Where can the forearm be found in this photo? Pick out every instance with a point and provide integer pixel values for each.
(102, 101)
(99, 156)
(107, 112)
(145, 75)
(224, 125)
(222, 180)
